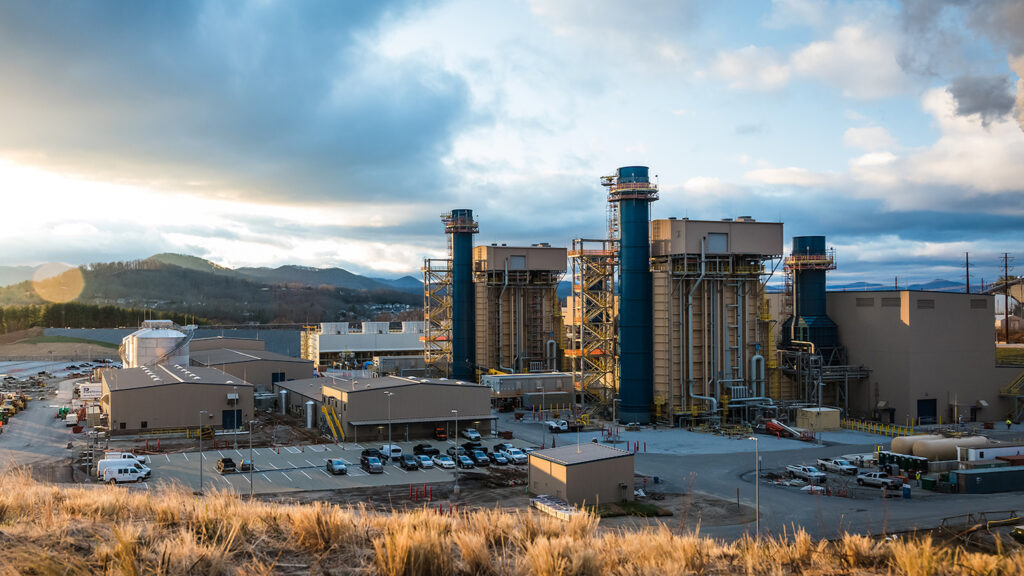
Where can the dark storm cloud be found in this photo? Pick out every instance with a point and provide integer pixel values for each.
(276, 100)
(987, 96)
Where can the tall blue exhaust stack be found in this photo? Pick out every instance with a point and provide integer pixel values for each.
(808, 264)
(461, 226)
(633, 191)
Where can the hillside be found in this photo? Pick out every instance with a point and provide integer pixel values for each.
(311, 277)
(187, 285)
(52, 529)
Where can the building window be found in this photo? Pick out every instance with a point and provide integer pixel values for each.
(925, 304)
(122, 425)
(277, 377)
(979, 304)
(890, 302)
(144, 424)
(865, 302)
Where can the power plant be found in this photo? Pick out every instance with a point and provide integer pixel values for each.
(671, 321)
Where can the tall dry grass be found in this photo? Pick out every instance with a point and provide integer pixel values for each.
(47, 529)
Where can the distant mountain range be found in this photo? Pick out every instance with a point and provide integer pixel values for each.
(288, 274)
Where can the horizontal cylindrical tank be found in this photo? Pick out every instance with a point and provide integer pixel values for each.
(905, 444)
(945, 449)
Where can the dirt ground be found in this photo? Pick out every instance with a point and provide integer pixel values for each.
(12, 347)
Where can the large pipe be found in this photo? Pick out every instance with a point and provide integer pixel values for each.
(757, 373)
(501, 326)
(552, 349)
(741, 320)
(689, 340)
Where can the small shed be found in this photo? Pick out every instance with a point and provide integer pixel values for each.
(818, 419)
(582, 474)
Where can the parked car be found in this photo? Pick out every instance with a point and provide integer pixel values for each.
(809, 473)
(426, 449)
(368, 452)
(471, 434)
(409, 462)
(443, 461)
(440, 433)
(425, 461)
(103, 465)
(336, 466)
(515, 455)
(498, 458)
(480, 458)
(110, 455)
(371, 464)
(225, 465)
(391, 451)
(455, 451)
(470, 446)
(245, 465)
(879, 479)
(126, 473)
(838, 465)
(465, 461)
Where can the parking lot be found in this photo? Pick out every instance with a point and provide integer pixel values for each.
(294, 468)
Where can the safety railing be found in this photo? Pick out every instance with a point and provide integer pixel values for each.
(879, 428)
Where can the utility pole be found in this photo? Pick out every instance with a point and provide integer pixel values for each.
(1006, 297)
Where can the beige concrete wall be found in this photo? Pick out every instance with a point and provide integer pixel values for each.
(259, 373)
(588, 483)
(537, 257)
(173, 405)
(921, 345)
(670, 236)
(199, 344)
(548, 478)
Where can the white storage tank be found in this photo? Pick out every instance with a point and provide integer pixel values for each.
(155, 340)
(905, 444)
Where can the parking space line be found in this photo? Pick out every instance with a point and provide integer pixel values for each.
(185, 455)
(256, 452)
(246, 478)
(272, 465)
(168, 456)
(293, 449)
(265, 478)
(221, 453)
(239, 453)
(311, 464)
(303, 472)
(226, 481)
(203, 454)
(287, 476)
(290, 464)
(324, 472)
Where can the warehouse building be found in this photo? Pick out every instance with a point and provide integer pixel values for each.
(413, 406)
(260, 368)
(931, 355)
(295, 396)
(158, 397)
(587, 474)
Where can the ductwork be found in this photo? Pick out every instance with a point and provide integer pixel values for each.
(689, 340)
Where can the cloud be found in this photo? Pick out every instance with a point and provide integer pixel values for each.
(869, 138)
(792, 176)
(987, 96)
(258, 100)
(788, 13)
(751, 68)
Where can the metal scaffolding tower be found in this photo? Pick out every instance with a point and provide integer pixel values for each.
(437, 314)
(592, 337)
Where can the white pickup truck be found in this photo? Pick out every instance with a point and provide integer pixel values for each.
(837, 465)
(879, 479)
(562, 426)
(809, 473)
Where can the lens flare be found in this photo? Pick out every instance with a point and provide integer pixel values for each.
(58, 283)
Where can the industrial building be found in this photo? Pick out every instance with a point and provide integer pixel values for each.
(260, 368)
(518, 316)
(414, 407)
(527, 391)
(340, 344)
(156, 342)
(931, 355)
(584, 474)
(302, 399)
(174, 396)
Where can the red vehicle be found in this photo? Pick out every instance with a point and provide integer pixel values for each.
(440, 433)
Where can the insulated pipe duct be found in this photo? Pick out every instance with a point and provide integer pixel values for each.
(741, 321)
(689, 340)
(757, 373)
(309, 413)
(501, 326)
(552, 350)
(284, 395)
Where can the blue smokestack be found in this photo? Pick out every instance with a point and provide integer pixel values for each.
(809, 263)
(634, 193)
(459, 223)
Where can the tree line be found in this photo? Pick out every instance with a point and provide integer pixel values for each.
(77, 315)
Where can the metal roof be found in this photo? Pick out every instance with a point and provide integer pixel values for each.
(365, 384)
(463, 419)
(308, 387)
(148, 377)
(579, 454)
(221, 356)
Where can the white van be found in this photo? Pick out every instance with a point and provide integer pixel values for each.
(103, 465)
(392, 451)
(126, 473)
(127, 455)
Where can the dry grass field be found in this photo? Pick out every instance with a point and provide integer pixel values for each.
(47, 529)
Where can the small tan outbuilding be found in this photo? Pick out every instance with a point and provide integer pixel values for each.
(586, 474)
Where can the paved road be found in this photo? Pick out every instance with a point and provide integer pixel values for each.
(34, 435)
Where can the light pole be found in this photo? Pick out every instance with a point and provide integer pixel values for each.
(389, 395)
(234, 416)
(458, 464)
(201, 412)
(252, 463)
(757, 492)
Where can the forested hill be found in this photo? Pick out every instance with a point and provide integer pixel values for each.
(194, 286)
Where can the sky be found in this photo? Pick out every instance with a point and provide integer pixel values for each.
(336, 133)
